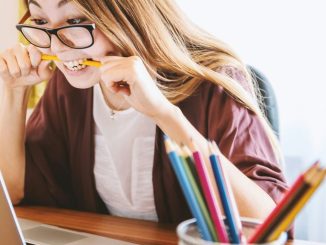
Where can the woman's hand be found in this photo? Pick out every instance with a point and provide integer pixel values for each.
(22, 66)
(129, 77)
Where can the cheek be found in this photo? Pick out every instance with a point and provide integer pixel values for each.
(45, 50)
(101, 47)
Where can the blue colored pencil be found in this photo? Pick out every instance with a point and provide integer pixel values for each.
(187, 190)
(198, 194)
(224, 194)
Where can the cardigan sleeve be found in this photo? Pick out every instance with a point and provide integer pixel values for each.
(46, 169)
(241, 137)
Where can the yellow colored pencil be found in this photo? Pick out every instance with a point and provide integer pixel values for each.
(86, 62)
(315, 180)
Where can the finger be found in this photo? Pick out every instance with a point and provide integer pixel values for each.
(35, 55)
(108, 59)
(12, 63)
(45, 70)
(115, 80)
(119, 87)
(23, 59)
(122, 89)
(108, 67)
(114, 73)
(4, 71)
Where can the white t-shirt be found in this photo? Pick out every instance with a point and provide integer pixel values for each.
(124, 152)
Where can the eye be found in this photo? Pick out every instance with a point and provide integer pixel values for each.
(76, 21)
(39, 22)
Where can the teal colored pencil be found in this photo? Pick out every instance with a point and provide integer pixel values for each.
(187, 190)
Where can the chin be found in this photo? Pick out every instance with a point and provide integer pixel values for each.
(81, 79)
(80, 85)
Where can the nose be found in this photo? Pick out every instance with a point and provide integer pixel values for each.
(57, 46)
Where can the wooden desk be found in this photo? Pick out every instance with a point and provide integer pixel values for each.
(131, 230)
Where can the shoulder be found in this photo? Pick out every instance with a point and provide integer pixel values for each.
(214, 112)
(217, 114)
(209, 94)
(232, 72)
(237, 75)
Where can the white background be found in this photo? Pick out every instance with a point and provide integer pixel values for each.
(286, 40)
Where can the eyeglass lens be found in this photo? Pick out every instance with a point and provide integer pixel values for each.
(74, 37)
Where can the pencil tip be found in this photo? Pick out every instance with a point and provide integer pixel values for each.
(192, 145)
(210, 147)
(168, 144)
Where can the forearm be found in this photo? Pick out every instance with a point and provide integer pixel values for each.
(251, 199)
(12, 138)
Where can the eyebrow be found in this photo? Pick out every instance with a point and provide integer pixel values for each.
(60, 4)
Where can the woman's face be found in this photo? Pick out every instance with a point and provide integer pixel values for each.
(58, 13)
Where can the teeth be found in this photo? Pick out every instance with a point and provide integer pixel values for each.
(75, 65)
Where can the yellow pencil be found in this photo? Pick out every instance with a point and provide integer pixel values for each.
(86, 62)
(315, 181)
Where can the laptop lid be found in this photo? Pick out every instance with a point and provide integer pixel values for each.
(37, 233)
(10, 232)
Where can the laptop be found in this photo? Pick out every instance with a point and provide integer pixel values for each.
(15, 231)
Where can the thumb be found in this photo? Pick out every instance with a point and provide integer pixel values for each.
(45, 70)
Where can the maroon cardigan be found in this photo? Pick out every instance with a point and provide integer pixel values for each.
(60, 149)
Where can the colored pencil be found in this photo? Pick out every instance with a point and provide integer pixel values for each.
(198, 194)
(284, 206)
(234, 206)
(187, 190)
(203, 184)
(315, 182)
(190, 162)
(226, 194)
(86, 62)
(284, 210)
(210, 197)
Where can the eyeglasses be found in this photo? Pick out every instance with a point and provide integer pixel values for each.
(74, 36)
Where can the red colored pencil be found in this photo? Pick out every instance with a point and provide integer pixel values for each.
(210, 197)
(270, 221)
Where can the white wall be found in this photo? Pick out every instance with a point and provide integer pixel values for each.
(8, 20)
(286, 41)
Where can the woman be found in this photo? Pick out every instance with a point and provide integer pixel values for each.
(91, 140)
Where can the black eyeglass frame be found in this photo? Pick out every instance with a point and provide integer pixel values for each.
(49, 32)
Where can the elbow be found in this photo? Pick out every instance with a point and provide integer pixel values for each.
(15, 186)
(16, 196)
(17, 199)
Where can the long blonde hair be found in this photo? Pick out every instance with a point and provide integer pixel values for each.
(175, 51)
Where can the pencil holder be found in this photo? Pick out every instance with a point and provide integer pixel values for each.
(188, 233)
